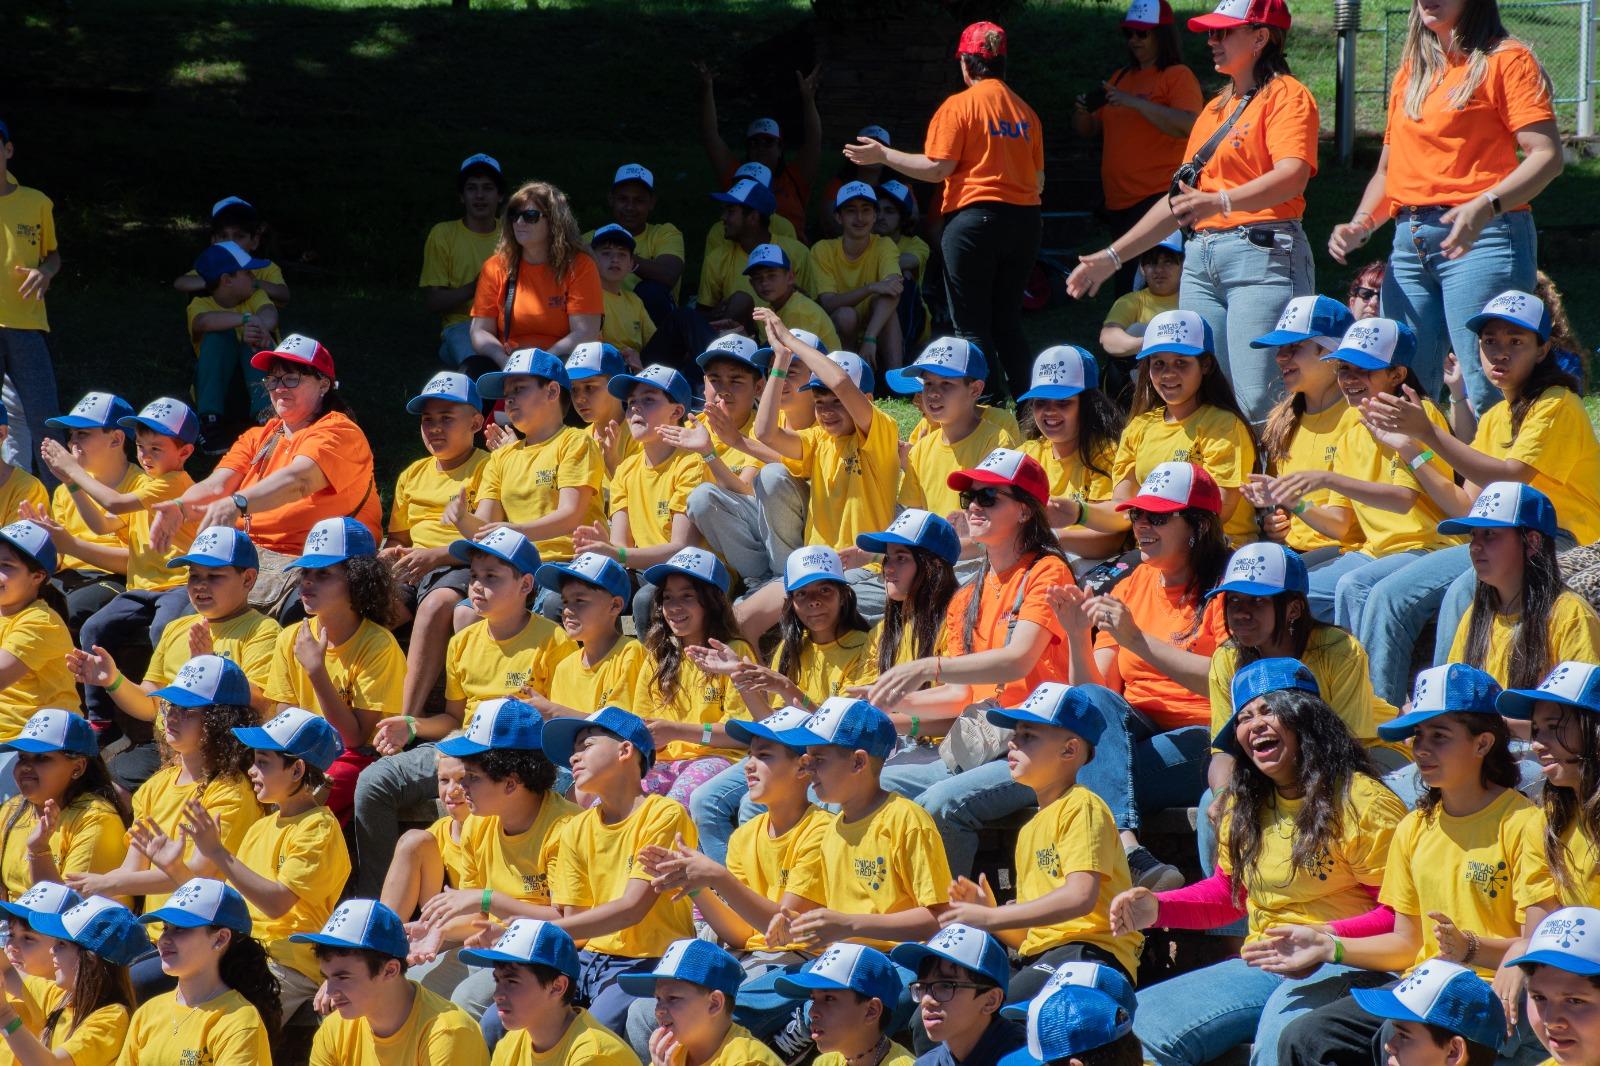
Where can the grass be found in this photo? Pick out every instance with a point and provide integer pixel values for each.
(344, 120)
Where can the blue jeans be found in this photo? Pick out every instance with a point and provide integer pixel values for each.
(1325, 580)
(1198, 1016)
(25, 359)
(455, 344)
(1387, 603)
(129, 627)
(1435, 296)
(715, 810)
(1240, 289)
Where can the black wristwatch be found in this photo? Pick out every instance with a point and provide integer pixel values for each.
(241, 503)
(1495, 206)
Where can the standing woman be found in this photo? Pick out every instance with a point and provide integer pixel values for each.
(1150, 104)
(1249, 254)
(985, 143)
(540, 288)
(1467, 101)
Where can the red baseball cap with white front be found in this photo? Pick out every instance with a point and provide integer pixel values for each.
(1231, 13)
(975, 41)
(297, 348)
(1175, 487)
(1005, 466)
(1145, 14)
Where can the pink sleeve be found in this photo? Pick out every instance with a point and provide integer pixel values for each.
(1205, 904)
(1375, 922)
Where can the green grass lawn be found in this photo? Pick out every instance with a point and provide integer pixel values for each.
(345, 120)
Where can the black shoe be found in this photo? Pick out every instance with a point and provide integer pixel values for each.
(1150, 872)
(213, 436)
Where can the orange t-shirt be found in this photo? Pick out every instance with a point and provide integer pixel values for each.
(1157, 612)
(339, 449)
(539, 315)
(1452, 154)
(791, 193)
(1000, 590)
(1280, 123)
(996, 142)
(1136, 159)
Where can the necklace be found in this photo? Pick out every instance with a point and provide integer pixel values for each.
(190, 1008)
(875, 1054)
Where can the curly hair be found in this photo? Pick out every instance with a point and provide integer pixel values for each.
(923, 610)
(1035, 540)
(221, 753)
(532, 768)
(1565, 808)
(243, 968)
(664, 649)
(1499, 765)
(566, 239)
(1542, 586)
(793, 636)
(372, 588)
(98, 984)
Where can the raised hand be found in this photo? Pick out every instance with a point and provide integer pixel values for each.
(200, 639)
(93, 667)
(39, 838)
(310, 649)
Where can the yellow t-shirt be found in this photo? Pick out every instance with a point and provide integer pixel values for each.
(1075, 834)
(778, 224)
(1070, 478)
(828, 669)
(520, 864)
(585, 1043)
(478, 667)
(736, 460)
(894, 1056)
(1558, 441)
(443, 833)
(253, 304)
(933, 459)
(369, 670)
(624, 321)
(739, 1048)
(596, 862)
(917, 247)
(1315, 446)
(611, 681)
(422, 491)
(249, 639)
(40, 640)
(21, 487)
(892, 860)
(96, 1042)
(906, 647)
(833, 270)
(527, 480)
(701, 698)
(1000, 418)
(88, 838)
(658, 239)
(1484, 870)
(722, 271)
(1574, 634)
(1582, 858)
(1387, 532)
(225, 1031)
(436, 1033)
(1280, 894)
(1138, 308)
(1338, 662)
(1215, 439)
(763, 862)
(651, 495)
(65, 511)
(800, 311)
(27, 237)
(230, 799)
(40, 996)
(452, 258)
(853, 480)
(147, 568)
(307, 855)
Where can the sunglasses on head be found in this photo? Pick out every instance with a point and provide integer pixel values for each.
(984, 497)
(530, 215)
(1154, 518)
(1361, 292)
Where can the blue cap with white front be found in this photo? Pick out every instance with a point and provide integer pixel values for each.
(1057, 705)
(298, 733)
(498, 725)
(633, 172)
(747, 192)
(1571, 684)
(220, 546)
(736, 348)
(333, 541)
(842, 722)
(767, 255)
(592, 568)
(97, 410)
(1452, 688)
(852, 364)
(699, 962)
(480, 159)
(762, 127)
(900, 193)
(1445, 995)
(759, 173)
(969, 948)
(1177, 333)
(915, 528)
(54, 729)
(1084, 1005)
(361, 925)
(31, 540)
(1376, 344)
(1521, 309)
(697, 564)
(1256, 679)
(1172, 242)
(846, 968)
(779, 721)
(1309, 318)
(226, 257)
(45, 897)
(504, 543)
(203, 901)
(944, 357)
(561, 734)
(657, 376)
(1061, 372)
(1506, 505)
(166, 416)
(1568, 939)
(854, 190)
(529, 942)
(595, 359)
(524, 363)
(806, 337)
(810, 565)
(1264, 569)
(100, 926)
(206, 681)
(611, 233)
(449, 386)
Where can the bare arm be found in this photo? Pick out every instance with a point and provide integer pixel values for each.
(439, 300)
(717, 150)
(581, 329)
(626, 911)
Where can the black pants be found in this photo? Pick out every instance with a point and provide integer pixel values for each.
(1339, 1034)
(989, 251)
(1120, 221)
(1034, 973)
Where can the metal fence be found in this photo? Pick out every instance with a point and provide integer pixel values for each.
(1560, 32)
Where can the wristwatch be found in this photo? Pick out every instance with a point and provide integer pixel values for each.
(1495, 206)
(241, 503)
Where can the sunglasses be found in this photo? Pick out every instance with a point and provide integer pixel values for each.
(1154, 518)
(530, 215)
(1361, 292)
(985, 498)
(1135, 35)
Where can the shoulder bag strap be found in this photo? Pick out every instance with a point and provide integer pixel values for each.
(511, 295)
(1203, 155)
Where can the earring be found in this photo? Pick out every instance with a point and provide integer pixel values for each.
(1192, 540)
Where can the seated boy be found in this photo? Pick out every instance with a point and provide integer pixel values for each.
(695, 984)
(1122, 334)
(455, 251)
(762, 175)
(379, 1015)
(772, 277)
(853, 992)
(657, 271)
(229, 322)
(590, 368)
(960, 987)
(858, 281)
(725, 297)
(626, 324)
(603, 893)
(237, 220)
(1442, 1014)
(1082, 1017)
(897, 220)
(605, 670)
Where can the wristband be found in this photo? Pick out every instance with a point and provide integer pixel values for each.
(246, 321)
(1083, 511)
(1472, 947)
(116, 684)
(692, 893)
(411, 724)
(1115, 258)
(622, 555)
(488, 898)
(1423, 458)
(709, 456)
(916, 726)
(13, 1025)
(1226, 203)
(705, 734)
(775, 372)
(1300, 508)
(867, 339)
(73, 488)
(1338, 951)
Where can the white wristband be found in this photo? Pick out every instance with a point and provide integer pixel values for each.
(1226, 201)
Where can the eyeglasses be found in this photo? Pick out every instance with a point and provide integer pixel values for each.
(1154, 518)
(530, 215)
(1135, 35)
(985, 498)
(291, 380)
(942, 991)
(1361, 292)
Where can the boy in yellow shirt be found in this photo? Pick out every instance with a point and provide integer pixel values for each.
(603, 892)
(858, 279)
(659, 252)
(897, 220)
(725, 297)
(606, 668)
(590, 368)
(626, 323)
(454, 254)
(236, 219)
(772, 277)
(229, 322)
(695, 985)
(853, 991)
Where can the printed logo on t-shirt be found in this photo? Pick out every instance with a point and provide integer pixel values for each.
(29, 231)
(873, 871)
(1322, 864)
(535, 885)
(190, 1056)
(851, 463)
(544, 477)
(517, 680)
(1330, 454)
(1489, 878)
(1014, 131)
(1049, 861)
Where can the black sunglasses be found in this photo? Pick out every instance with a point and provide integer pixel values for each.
(1155, 518)
(1361, 292)
(985, 498)
(530, 215)
(1135, 35)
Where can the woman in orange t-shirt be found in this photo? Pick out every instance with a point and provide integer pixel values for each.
(1467, 99)
(1150, 642)
(1248, 255)
(1149, 105)
(558, 303)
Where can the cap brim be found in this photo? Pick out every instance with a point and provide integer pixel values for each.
(658, 573)
(1172, 349)
(705, 359)
(912, 956)
(1518, 702)
(878, 543)
(174, 916)
(1153, 504)
(462, 550)
(962, 480)
(803, 738)
(724, 198)
(1051, 392)
(491, 386)
(25, 553)
(136, 422)
(909, 380)
(181, 697)
(415, 404)
(317, 562)
(256, 738)
(456, 747)
(1403, 727)
(264, 360)
(1248, 588)
(1560, 960)
(1214, 21)
(1383, 1003)
(745, 732)
(578, 374)
(1357, 358)
(21, 913)
(47, 922)
(638, 985)
(552, 576)
(1279, 337)
(1483, 318)
(36, 747)
(77, 422)
(811, 579)
(801, 985)
(1467, 523)
(202, 560)
(325, 940)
